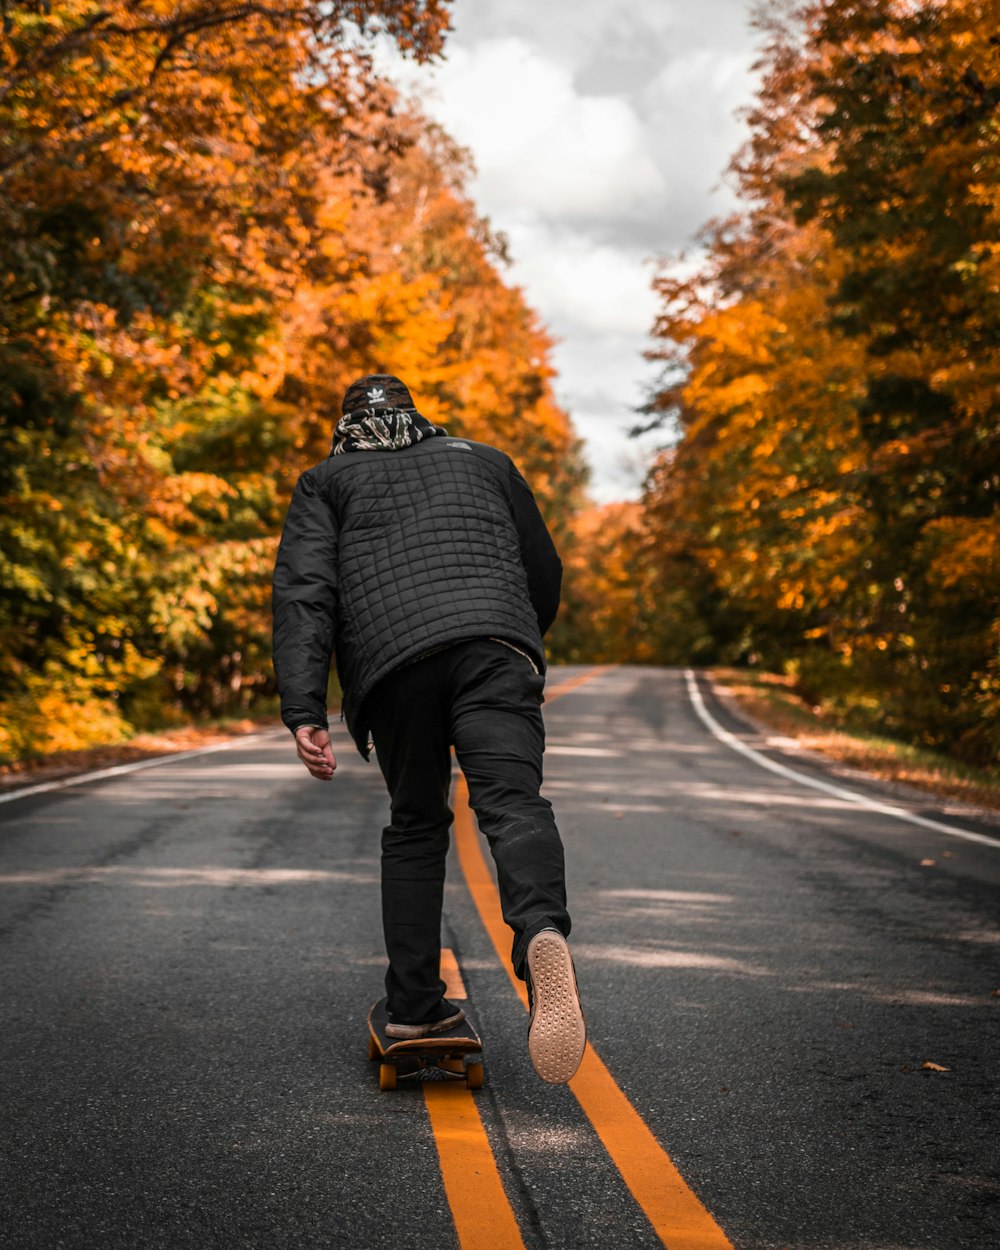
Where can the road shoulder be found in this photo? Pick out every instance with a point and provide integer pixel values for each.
(60, 765)
(834, 754)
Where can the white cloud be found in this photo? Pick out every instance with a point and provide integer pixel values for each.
(602, 381)
(688, 110)
(600, 132)
(537, 142)
(618, 463)
(574, 281)
(572, 31)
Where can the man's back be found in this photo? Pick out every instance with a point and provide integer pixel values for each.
(417, 547)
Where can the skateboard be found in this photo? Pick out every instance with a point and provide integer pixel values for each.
(454, 1055)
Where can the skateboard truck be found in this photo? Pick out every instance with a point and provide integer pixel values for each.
(452, 1055)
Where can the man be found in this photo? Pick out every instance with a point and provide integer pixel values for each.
(423, 563)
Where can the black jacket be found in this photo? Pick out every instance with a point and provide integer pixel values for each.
(386, 555)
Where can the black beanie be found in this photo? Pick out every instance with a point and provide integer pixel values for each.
(377, 390)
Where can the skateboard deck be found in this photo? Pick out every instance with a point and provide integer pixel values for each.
(452, 1055)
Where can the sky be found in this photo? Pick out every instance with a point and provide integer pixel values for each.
(600, 133)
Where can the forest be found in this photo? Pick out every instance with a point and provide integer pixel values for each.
(830, 387)
(214, 215)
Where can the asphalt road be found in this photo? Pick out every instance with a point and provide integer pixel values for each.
(188, 953)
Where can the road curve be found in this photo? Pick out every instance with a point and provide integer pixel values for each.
(188, 952)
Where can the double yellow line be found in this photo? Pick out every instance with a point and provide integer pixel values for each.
(484, 1219)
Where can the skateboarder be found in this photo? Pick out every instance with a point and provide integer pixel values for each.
(422, 563)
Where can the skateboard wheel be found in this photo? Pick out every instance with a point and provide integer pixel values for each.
(372, 1049)
(387, 1076)
(474, 1076)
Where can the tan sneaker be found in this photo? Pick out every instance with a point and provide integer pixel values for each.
(557, 1032)
(408, 1031)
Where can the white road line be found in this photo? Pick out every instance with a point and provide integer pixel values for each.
(118, 769)
(790, 774)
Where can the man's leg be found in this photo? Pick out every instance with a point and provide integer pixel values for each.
(499, 738)
(409, 726)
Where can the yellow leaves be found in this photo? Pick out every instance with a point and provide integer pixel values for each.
(965, 552)
(332, 247)
(604, 596)
(334, 214)
(744, 331)
(227, 213)
(933, 1067)
(417, 295)
(742, 391)
(791, 598)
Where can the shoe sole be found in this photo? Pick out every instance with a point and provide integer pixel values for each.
(557, 1033)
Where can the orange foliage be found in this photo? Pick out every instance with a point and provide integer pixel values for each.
(212, 217)
(833, 372)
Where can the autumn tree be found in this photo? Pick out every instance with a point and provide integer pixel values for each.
(212, 215)
(832, 374)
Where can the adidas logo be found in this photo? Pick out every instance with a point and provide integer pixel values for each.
(376, 394)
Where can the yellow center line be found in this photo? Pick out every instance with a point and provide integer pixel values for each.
(678, 1217)
(571, 683)
(483, 1217)
(451, 975)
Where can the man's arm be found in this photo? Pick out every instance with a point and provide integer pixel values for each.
(538, 551)
(304, 606)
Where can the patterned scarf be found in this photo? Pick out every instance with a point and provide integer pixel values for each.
(381, 429)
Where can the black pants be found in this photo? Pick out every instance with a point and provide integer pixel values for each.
(485, 698)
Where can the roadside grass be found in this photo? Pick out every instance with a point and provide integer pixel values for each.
(772, 700)
(170, 738)
(57, 764)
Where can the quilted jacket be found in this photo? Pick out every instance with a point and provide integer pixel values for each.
(386, 555)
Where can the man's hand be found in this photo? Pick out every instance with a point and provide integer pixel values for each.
(313, 746)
